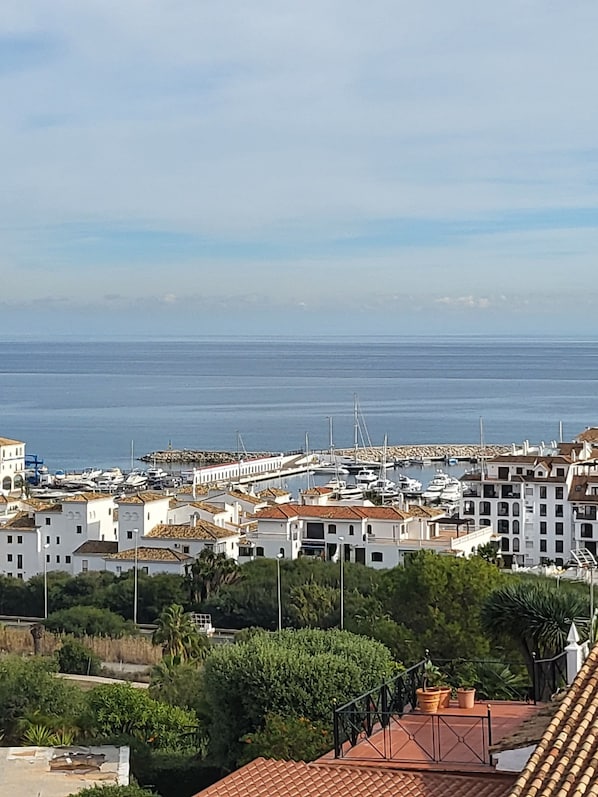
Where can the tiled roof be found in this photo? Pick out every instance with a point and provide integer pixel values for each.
(151, 555)
(564, 764)
(273, 492)
(348, 512)
(20, 521)
(85, 496)
(589, 435)
(317, 491)
(6, 441)
(269, 778)
(202, 530)
(142, 498)
(38, 504)
(241, 496)
(96, 547)
(417, 510)
(580, 490)
(213, 509)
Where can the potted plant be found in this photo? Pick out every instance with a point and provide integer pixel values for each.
(429, 695)
(466, 696)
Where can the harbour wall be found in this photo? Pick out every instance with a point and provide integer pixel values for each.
(436, 452)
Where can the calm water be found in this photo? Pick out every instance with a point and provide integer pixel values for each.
(78, 402)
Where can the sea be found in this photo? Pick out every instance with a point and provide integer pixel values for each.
(104, 402)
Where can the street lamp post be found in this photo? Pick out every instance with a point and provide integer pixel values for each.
(341, 541)
(278, 590)
(46, 546)
(135, 580)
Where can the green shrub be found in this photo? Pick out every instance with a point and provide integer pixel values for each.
(114, 791)
(88, 621)
(74, 657)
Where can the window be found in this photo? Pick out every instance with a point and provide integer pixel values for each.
(504, 544)
(369, 528)
(559, 562)
(48, 558)
(542, 510)
(558, 493)
(9, 558)
(515, 544)
(9, 539)
(560, 471)
(281, 553)
(558, 510)
(185, 549)
(503, 508)
(543, 527)
(468, 508)
(119, 569)
(79, 529)
(84, 565)
(67, 559)
(586, 530)
(58, 560)
(48, 521)
(515, 527)
(542, 546)
(19, 540)
(57, 540)
(558, 529)
(518, 471)
(332, 528)
(47, 540)
(19, 561)
(558, 546)
(502, 526)
(129, 535)
(542, 492)
(145, 570)
(515, 509)
(259, 551)
(503, 473)
(485, 521)
(484, 507)
(377, 556)
(351, 531)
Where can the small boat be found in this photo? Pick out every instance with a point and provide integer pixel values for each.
(433, 491)
(408, 485)
(91, 474)
(365, 476)
(135, 480)
(156, 474)
(330, 467)
(113, 476)
(382, 485)
(452, 492)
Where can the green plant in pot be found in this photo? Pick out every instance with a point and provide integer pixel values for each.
(429, 696)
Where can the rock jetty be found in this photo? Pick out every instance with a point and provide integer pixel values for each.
(435, 452)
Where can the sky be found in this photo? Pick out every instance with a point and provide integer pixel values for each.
(181, 167)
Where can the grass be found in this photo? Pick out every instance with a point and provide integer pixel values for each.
(127, 649)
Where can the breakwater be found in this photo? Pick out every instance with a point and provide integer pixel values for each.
(434, 452)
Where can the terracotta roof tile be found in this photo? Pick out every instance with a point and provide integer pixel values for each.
(20, 521)
(151, 555)
(96, 547)
(6, 441)
(141, 498)
(269, 778)
(202, 530)
(565, 761)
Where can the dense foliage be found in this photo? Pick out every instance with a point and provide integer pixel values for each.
(287, 739)
(75, 657)
(291, 673)
(114, 791)
(88, 621)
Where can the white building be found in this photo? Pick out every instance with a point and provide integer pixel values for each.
(149, 560)
(532, 497)
(12, 465)
(377, 536)
(20, 547)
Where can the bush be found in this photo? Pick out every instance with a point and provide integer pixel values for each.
(290, 673)
(114, 791)
(75, 657)
(88, 620)
(288, 739)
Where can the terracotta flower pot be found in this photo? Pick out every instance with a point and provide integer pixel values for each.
(428, 699)
(466, 697)
(445, 697)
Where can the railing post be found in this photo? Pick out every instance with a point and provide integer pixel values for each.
(384, 718)
(489, 735)
(338, 748)
(534, 678)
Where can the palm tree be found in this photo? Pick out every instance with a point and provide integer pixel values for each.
(178, 635)
(535, 616)
(208, 573)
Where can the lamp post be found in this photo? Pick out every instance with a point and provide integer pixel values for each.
(279, 556)
(46, 546)
(135, 580)
(341, 541)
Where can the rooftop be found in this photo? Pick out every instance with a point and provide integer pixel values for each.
(28, 771)
(200, 530)
(96, 547)
(151, 555)
(269, 778)
(142, 498)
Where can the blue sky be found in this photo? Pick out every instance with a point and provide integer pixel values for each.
(319, 166)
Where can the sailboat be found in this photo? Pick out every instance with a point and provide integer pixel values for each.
(332, 465)
(361, 435)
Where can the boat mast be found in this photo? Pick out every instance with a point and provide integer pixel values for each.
(355, 426)
(482, 451)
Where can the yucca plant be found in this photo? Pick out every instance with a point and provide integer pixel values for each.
(38, 736)
(63, 737)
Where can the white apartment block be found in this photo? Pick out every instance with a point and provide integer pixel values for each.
(12, 465)
(535, 500)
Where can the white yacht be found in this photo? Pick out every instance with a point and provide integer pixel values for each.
(452, 492)
(408, 485)
(434, 489)
(365, 476)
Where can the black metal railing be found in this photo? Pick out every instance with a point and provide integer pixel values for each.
(550, 675)
(358, 718)
(493, 679)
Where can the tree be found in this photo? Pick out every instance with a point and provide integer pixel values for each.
(132, 790)
(287, 739)
(178, 635)
(208, 573)
(88, 621)
(439, 599)
(289, 673)
(536, 616)
(75, 657)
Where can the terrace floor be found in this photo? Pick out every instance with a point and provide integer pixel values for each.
(452, 740)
